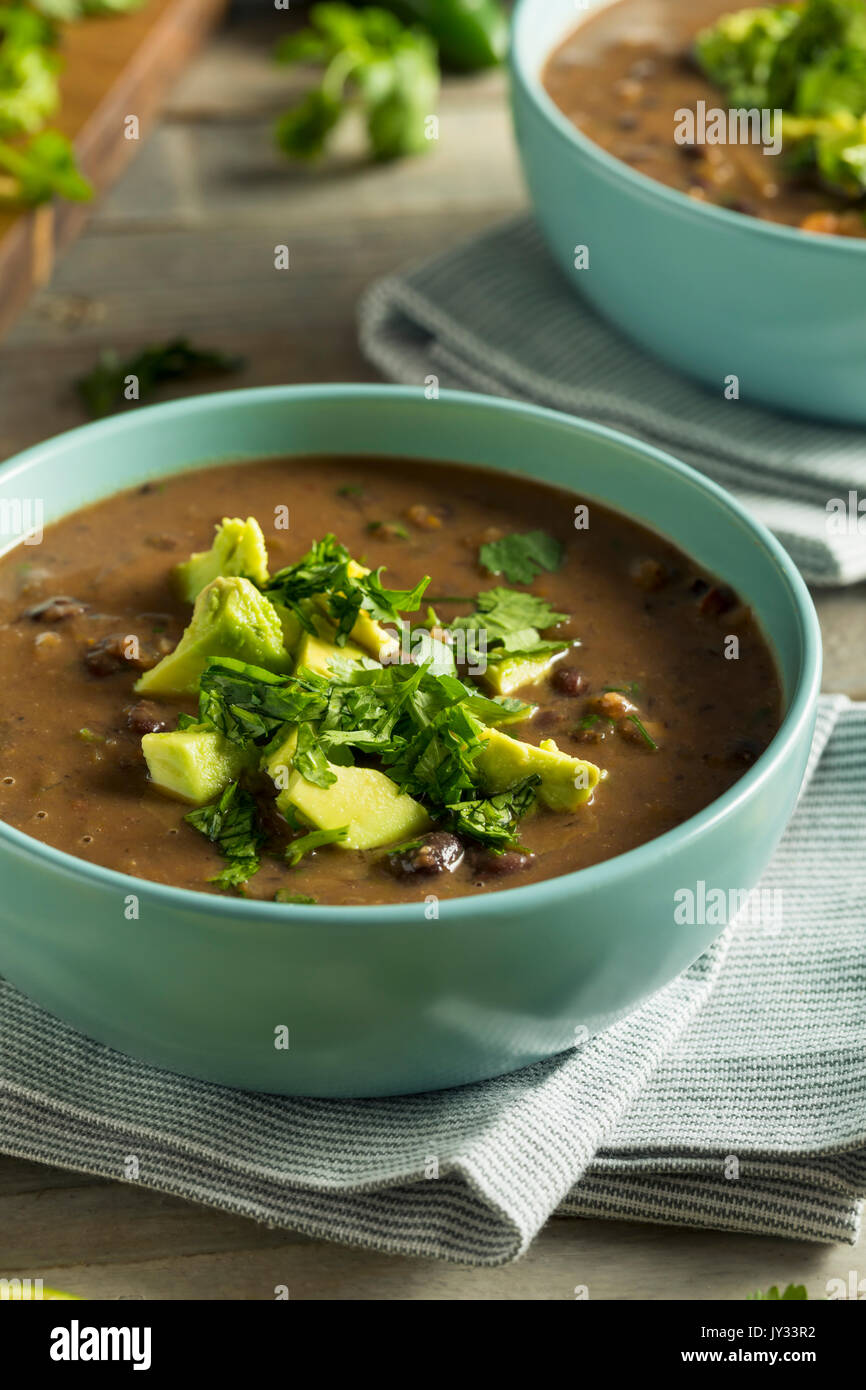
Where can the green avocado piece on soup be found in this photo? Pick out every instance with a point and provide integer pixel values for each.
(194, 764)
(230, 618)
(238, 549)
(566, 782)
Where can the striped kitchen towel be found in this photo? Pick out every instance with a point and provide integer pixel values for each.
(734, 1099)
(495, 315)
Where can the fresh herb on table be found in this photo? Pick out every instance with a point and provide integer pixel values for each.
(373, 64)
(809, 62)
(791, 1292)
(102, 388)
(232, 824)
(45, 166)
(469, 34)
(521, 558)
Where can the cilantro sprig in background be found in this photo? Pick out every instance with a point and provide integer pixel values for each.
(372, 64)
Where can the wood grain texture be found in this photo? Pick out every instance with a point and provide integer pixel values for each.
(184, 243)
(114, 66)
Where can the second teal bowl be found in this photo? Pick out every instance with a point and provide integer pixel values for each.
(711, 292)
(379, 1000)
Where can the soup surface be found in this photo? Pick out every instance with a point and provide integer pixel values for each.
(625, 72)
(651, 694)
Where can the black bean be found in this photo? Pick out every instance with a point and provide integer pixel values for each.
(569, 681)
(439, 852)
(146, 718)
(116, 653)
(56, 610)
(720, 599)
(512, 861)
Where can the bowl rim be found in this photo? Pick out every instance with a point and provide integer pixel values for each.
(529, 79)
(800, 713)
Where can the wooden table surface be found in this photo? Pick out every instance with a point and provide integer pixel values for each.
(185, 244)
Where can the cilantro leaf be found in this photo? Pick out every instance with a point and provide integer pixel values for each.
(309, 759)
(372, 63)
(327, 573)
(41, 169)
(315, 840)
(232, 824)
(510, 620)
(102, 388)
(249, 705)
(493, 820)
(285, 895)
(522, 557)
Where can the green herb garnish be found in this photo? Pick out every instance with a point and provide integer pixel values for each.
(284, 895)
(315, 840)
(493, 820)
(511, 620)
(324, 574)
(372, 64)
(790, 1293)
(521, 558)
(102, 388)
(633, 719)
(232, 825)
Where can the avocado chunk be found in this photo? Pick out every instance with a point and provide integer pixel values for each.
(513, 672)
(369, 634)
(327, 659)
(230, 618)
(238, 549)
(278, 762)
(290, 625)
(566, 782)
(369, 803)
(193, 764)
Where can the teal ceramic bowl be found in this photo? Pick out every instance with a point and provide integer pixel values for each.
(709, 291)
(380, 1000)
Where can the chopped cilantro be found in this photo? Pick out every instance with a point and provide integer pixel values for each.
(324, 572)
(315, 840)
(647, 738)
(284, 895)
(522, 557)
(511, 621)
(493, 820)
(232, 824)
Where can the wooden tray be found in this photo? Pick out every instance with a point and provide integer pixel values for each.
(113, 67)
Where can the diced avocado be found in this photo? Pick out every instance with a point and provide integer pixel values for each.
(369, 803)
(566, 782)
(513, 672)
(290, 625)
(327, 659)
(194, 764)
(230, 618)
(369, 634)
(278, 763)
(238, 549)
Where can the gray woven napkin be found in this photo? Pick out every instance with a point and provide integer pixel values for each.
(735, 1098)
(496, 315)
